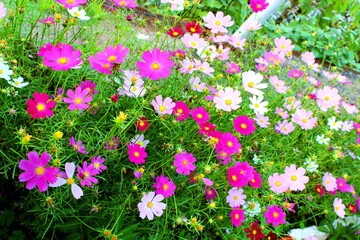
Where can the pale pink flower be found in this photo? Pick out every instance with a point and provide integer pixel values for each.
(278, 183)
(151, 205)
(308, 58)
(303, 118)
(228, 99)
(262, 121)
(278, 84)
(187, 66)
(204, 67)
(2, 10)
(284, 127)
(217, 23)
(291, 103)
(237, 42)
(196, 85)
(283, 45)
(193, 41)
(163, 107)
(296, 177)
(282, 113)
(236, 197)
(339, 207)
(327, 98)
(252, 25)
(329, 182)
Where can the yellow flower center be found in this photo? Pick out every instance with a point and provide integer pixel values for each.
(199, 115)
(149, 204)
(327, 98)
(106, 66)
(96, 165)
(185, 162)
(78, 100)
(70, 1)
(155, 66)
(1, 71)
(179, 111)
(165, 186)
(141, 124)
(243, 125)
(62, 60)
(192, 30)
(122, 3)
(175, 34)
(252, 205)
(337, 208)
(228, 102)
(277, 183)
(233, 177)
(112, 58)
(304, 120)
(136, 154)
(275, 214)
(162, 108)
(40, 171)
(193, 44)
(251, 84)
(48, 22)
(282, 46)
(133, 79)
(87, 174)
(258, 6)
(237, 216)
(293, 177)
(236, 197)
(256, 105)
(77, 14)
(230, 144)
(70, 181)
(218, 22)
(40, 107)
(327, 181)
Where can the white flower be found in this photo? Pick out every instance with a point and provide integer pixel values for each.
(347, 126)
(18, 82)
(322, 139)
(257, 160)
(228, 99)
(258, 105)
(80, 14)
(139, 139)
(5, 71)
(196, 85)
(252, 208)
(252, 82)
(142, 36)
(310, 165)
(151, 205)
(333, 124)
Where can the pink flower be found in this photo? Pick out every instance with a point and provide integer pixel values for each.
(237, 216)
(229, 143)
(62, 57)
(256, 181)
(262, 121)
(244, 125)
(206, 128)
(327, 98)
(86, 174)
(151, 205)
(184, 163)
(125, 3)
(88, 85)
(308, 58)
(164, 186)
(156, 65)
(339, 207)
(279, 85)
(217, 23)
(163, 107)
(181, 111)
(2, 10)
(278, 183)
(47, 21)
(71, 3)
(235, 197)
(237, 42)
(296, 177)
(303, 118)
(258, 5)
(283, 45)
(282, 113)
(240, 174)
(136, 153)
(78, 99)
(41, 106)
(274, 215)
(210, 193)
(295, 73)
(200, 115)
(36, 172)
(77, 146)
(342, 185)
(114, 55)
(284, 127)
(98, 164)
(76, 191)
(232, 68)
(329, 182)
(196, 85)
(193, 41)
(102, 65)
(228, 99)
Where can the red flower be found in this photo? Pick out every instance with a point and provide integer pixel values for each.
(175, 32)
(320, 190)
(254, 231)
(41, 106)
(193, 27)
(271, 236)
(352, 208)
(142, 124)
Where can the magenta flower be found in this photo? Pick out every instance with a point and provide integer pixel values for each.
(181, 111)
(125, 3)
(76, 191)
(256, 181)
(200, 115)
(86, 174)
(102, 65)
(296, 177)
(62, 57)
(244, 125)
(77, 145)
(235, 197)
(37, 173)
(342, 185)
(71, 3)
(229, 143)
(88, 85)
(98, 164)
(232, 68)
(117, 54)
(78, 99)
(295, 73)
(258, 5)
(136, 153)
(47, 21)
(210, 193)
(237, 216)
(164, 186)
(240, 174)
(184, 163)
(274, 215)
(206, 128)
(112, 144)
(156, 65)
(41, 106)
(163, 107)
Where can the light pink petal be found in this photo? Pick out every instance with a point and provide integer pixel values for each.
(59, 182)
(69, 169)
(76, 191)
